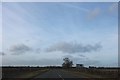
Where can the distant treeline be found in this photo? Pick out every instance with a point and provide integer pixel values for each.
(90, 67)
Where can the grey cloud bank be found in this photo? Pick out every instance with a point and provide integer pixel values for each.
(2, 53)
(19, 49)
(64, 47)
(70, 47)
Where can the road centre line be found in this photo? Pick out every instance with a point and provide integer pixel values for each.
(59, 75)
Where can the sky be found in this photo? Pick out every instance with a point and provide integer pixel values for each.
(39, 33)
(60, 0)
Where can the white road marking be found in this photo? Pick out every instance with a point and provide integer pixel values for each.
(59, 75)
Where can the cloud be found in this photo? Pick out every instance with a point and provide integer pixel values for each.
(38, 50)
(68, 56)
(71, 47)
(75, 7)
(82, 55)
(94, 13)
(2, 53)
(19, 49)
(113, 7)
(73, 58)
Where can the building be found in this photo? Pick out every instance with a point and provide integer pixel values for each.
(79, 65)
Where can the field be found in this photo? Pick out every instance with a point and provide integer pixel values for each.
(21, 72)
(105, 73)
(54, 72)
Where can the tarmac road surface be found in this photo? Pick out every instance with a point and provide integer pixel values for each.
(58, 73)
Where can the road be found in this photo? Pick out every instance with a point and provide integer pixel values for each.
(59, 73)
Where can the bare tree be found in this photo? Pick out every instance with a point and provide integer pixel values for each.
(67, 63)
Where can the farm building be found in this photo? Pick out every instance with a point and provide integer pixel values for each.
(79, 65)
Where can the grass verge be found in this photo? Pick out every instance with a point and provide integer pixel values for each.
(32, 74)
